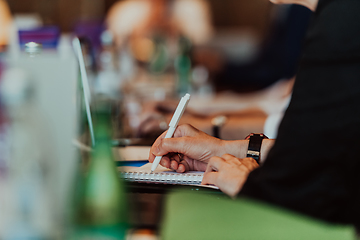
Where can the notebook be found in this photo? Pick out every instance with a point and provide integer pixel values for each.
(162, 175)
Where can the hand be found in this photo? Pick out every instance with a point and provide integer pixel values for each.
(194, 147)
(229, 173)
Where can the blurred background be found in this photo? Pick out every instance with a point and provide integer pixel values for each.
(237, 59)
(213, 49)
(65, 13)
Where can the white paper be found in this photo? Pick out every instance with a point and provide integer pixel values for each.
(162, 175)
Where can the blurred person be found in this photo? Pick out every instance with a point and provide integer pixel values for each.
(259, 111)
(278, 55)
(130, 18)
(155, 34)
(312, 166)
(140, 22)
(268, 78)
(5, 23)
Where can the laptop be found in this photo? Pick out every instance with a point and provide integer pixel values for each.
(125, 149)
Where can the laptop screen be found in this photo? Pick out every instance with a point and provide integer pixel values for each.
(85, 91)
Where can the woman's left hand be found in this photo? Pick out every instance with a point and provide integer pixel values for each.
(229, 173)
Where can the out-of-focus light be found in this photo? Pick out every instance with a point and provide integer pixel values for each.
(33, 48)
(143, 49)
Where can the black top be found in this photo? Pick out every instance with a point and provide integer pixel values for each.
(314, 166)
(278, 57)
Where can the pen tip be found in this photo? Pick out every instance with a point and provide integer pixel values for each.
(151, 171)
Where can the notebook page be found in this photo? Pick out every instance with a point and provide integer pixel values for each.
(161, 175)
(147, 168)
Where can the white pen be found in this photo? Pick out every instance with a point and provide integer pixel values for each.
(172, 125)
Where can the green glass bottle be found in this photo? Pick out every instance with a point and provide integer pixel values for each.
(183, 66)
(100, 211)
(160, 58)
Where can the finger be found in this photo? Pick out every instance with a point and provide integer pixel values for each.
(155, 146)
(183, 166)
(210, 178)
(250, 163)
(215, 163)
(152, 155)
(168, 159)
(172, 145)
(165, 162)
(174, 156)
(159, 139)
(175, 159)
(174, 165)
(228, 157)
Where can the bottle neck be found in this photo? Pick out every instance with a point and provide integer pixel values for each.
(102, 149)
(102, 122)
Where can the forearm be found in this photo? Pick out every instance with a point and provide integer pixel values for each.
(239, 148)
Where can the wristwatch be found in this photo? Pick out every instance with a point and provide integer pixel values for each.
(255, 141)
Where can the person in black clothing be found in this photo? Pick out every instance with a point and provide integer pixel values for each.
(314, 163)
(278, 56)
(312, 167)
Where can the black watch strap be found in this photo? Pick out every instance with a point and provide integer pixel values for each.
(255, 141)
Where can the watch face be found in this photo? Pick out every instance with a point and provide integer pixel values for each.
(252, 153)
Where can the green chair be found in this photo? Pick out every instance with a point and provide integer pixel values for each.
(198, 216)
